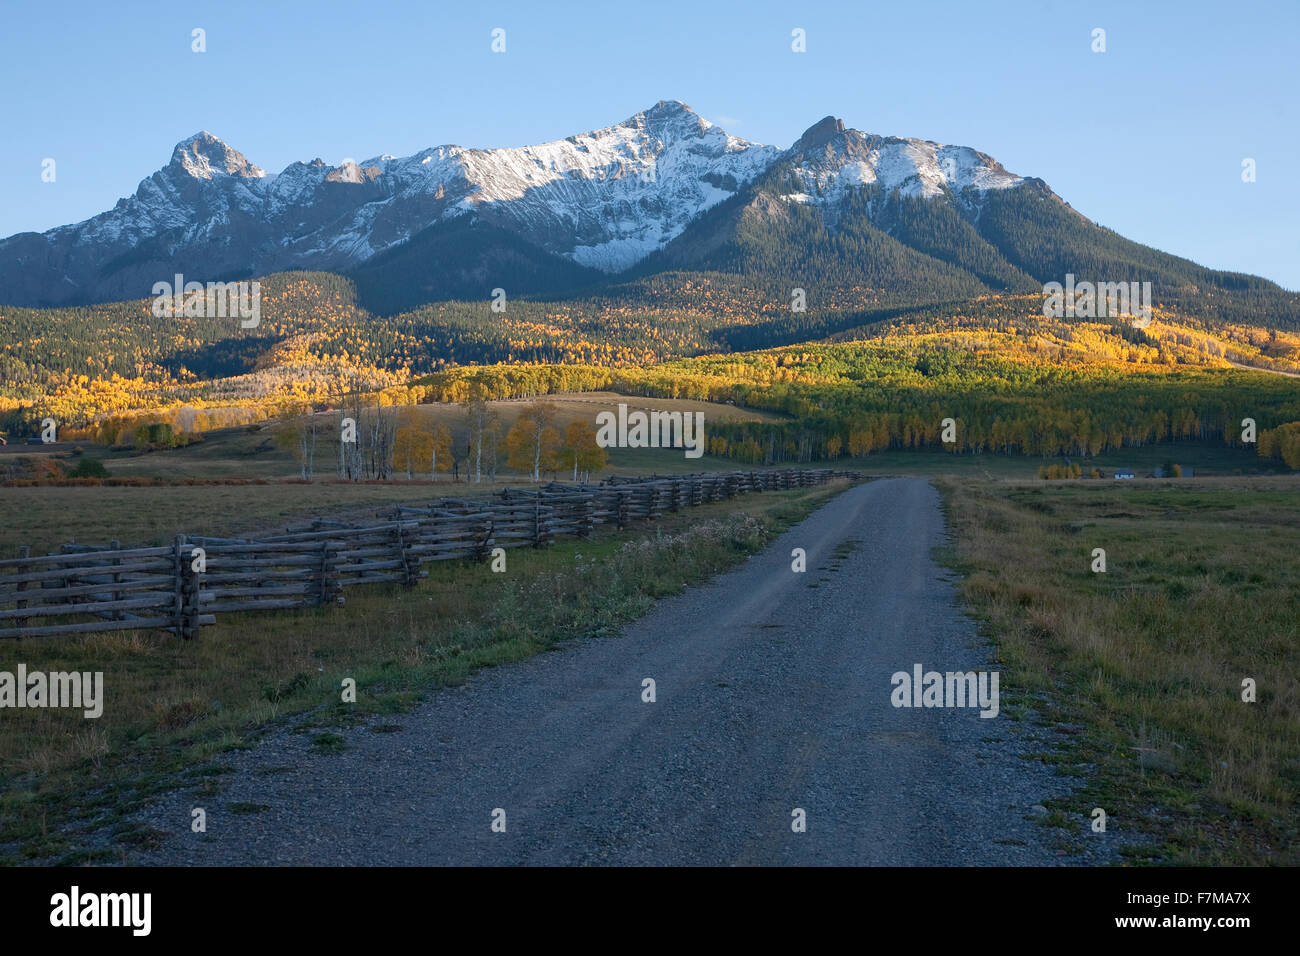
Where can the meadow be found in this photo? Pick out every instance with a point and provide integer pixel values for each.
(1142, 666)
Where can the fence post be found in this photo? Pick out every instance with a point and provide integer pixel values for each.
(187, 593)
(23, 552)
(331, 586)
(483, 548)
(408, 573)
(322, 575)
(116, 545)
(192, 589)
(178, 584)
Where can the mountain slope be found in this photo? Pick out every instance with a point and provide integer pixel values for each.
(466, 258)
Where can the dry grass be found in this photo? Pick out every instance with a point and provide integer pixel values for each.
(46, 517)
(1199, 593)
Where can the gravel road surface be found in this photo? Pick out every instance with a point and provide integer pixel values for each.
(773, 693)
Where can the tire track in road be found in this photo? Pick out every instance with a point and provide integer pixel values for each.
(773, 693)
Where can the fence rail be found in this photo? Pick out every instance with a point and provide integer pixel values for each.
(183, 586)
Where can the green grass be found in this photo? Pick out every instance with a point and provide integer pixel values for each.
(1208, 458)
(1148, 658)
(174, 706)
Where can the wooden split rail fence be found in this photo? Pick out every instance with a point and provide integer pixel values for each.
(183, 586)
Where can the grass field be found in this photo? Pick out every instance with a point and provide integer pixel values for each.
(44, 517)
(173, 708)
(1146, 660)
(1207, 458)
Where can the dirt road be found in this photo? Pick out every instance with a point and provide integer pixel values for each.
(772, 695)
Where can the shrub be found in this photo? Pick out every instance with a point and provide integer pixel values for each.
(89, 468)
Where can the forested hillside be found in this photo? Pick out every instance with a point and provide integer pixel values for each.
(1007, 392)
(81, 364)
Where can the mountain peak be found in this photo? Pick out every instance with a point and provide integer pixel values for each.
(668, 113)
(820, 133)
(204, 155)
(669, 108)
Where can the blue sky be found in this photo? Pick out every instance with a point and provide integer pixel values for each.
(1147, 138)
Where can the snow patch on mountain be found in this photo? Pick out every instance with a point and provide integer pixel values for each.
(831, 160)
(204, 156)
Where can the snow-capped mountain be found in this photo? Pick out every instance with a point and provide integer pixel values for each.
(829, 160)
(604, 200)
